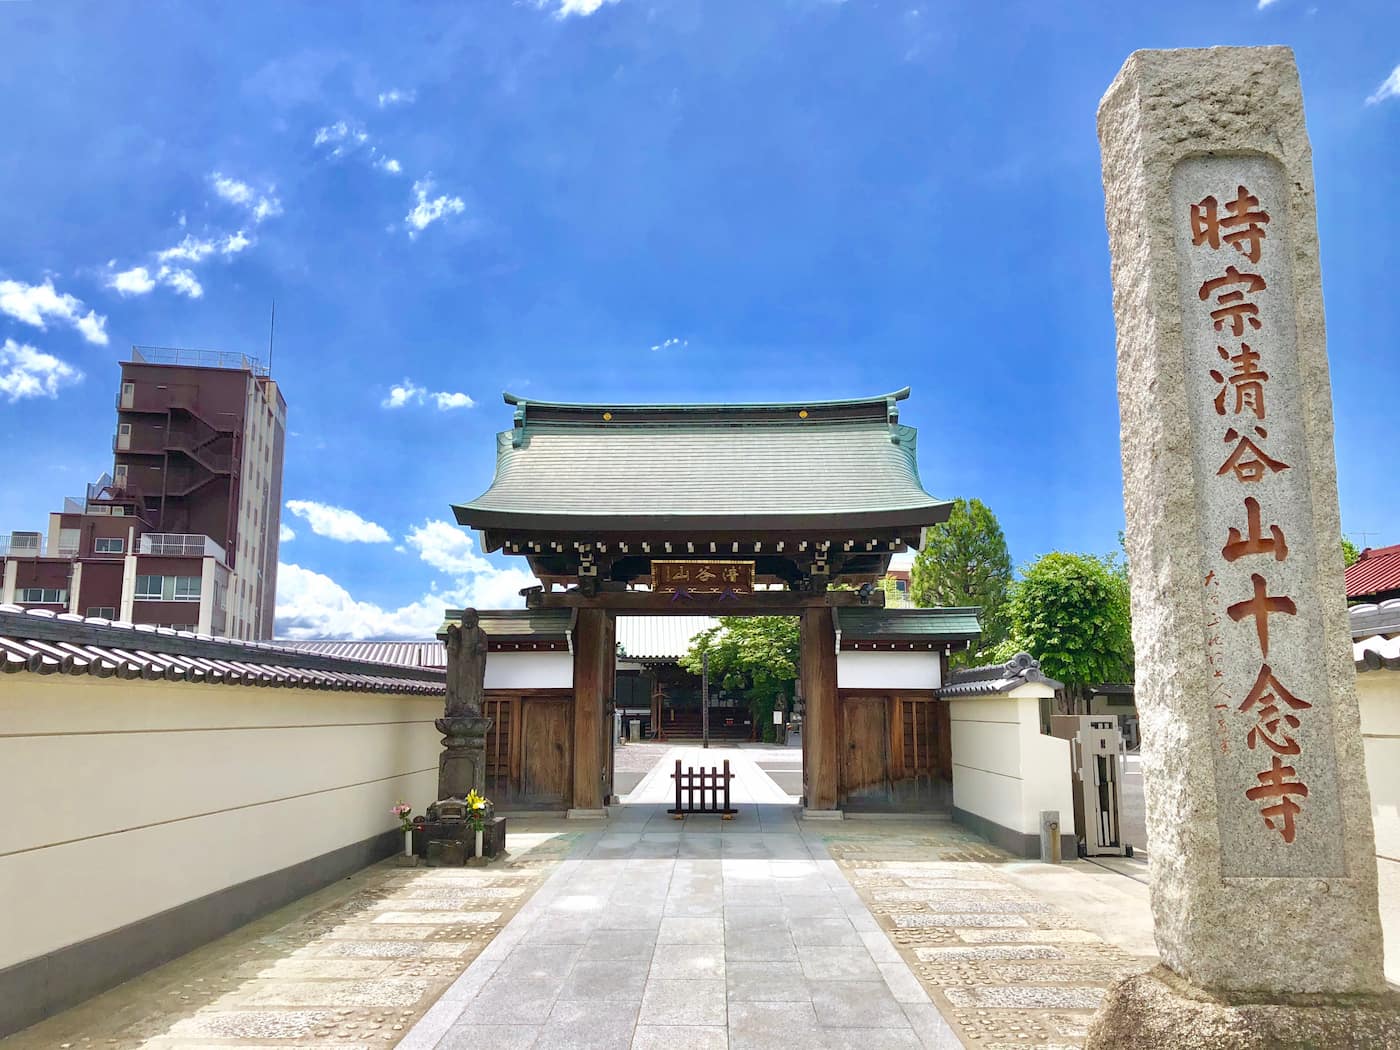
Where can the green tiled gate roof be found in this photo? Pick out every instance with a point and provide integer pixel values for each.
(706, 466)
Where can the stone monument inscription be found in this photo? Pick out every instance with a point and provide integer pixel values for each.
(1274, 753)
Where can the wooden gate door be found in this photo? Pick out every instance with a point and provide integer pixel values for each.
(502, 748)
(546, 739)
(865, 747)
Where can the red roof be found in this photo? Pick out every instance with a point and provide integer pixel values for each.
(1377, 571)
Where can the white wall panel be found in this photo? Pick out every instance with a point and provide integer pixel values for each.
(132, 797)
(856, 669)
(538, 670)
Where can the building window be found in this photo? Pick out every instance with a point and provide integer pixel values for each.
(103, 612)
(167, 588)
(108, 545)
(43, 595)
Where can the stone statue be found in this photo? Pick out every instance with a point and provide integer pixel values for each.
(462, 765)
(466, 666)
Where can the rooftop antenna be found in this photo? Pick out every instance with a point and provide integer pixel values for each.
(271, 328)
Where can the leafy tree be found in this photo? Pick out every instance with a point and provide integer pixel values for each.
(965, 562)
(755, 655)
(1071, 612)
(1350, 553)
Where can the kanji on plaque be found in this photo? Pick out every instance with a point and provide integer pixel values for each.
(1254, 541)
(1232, 308)
(1267, 700)
(1247, 460)
(1260, 626)
(1243, 224)
(692, 577)
(1261, 606)
(1244, 378)
(1279, 782)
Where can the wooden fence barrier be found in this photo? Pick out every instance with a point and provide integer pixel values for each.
(692, 785)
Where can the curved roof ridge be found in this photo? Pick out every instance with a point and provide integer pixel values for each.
(875, 399)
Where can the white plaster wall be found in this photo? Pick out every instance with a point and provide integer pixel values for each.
(1379, 695)
(128, 798)
(887, 670)
(1004, 769)
(527, 670)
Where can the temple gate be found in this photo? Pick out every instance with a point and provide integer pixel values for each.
(763, 509)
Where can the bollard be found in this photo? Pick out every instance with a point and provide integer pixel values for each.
(1050, 836)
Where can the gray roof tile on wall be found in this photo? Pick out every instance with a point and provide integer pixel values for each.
(42, 642)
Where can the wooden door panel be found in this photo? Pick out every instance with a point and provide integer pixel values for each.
(865, 745)
(546, 743)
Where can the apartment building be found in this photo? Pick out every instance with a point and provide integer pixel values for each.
(184, 530)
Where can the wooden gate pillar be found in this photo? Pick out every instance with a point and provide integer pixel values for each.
(821, 763)
(595, 662)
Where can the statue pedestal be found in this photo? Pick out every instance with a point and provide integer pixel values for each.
(449, 843)
(462, 764)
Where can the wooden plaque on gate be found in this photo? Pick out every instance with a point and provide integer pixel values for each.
(702, 577)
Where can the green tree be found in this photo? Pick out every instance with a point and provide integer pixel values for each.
(1349, 552)
(1071, 612)
(755, 655)
(964, 561)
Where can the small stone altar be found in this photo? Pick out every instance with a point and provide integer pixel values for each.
(462, 764)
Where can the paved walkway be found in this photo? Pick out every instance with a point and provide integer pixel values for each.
(700, 933)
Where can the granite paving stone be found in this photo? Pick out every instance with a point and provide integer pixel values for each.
(694, 1002)
(857, 1004)
(620, 981)
(680, 1037)
(588, 1025)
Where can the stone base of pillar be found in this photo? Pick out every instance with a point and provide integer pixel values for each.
(586, 814)
(823, 814)
(1160, 1010)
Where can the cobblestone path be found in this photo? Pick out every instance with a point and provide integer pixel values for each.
(1005, 969)
(350, 967)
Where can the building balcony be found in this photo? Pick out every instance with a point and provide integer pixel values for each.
(23, 545)
(181, 545)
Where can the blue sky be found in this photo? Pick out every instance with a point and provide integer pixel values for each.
(630, 200)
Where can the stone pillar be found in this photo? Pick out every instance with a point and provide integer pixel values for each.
(821, 762)
(1259, 825)
(462, 764)
(595, 661)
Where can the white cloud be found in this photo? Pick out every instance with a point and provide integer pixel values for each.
(666, 344)
(447, 547)
(135, 281)
(182, 280)
(336, 132)
(33, 304)
(430, 209)
(312, 605)
(396, 96)
(190, 249)
(26, 371)
(286, 534)
(446, 401)
(341, 136)
(337, 523)
(266, 208)
(259, 205)
(234, 243)
(232, 190)
(389, 164)
(565, 8)
(1390, 88)
(410, 393)
(403, 394)
(1266, 3)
